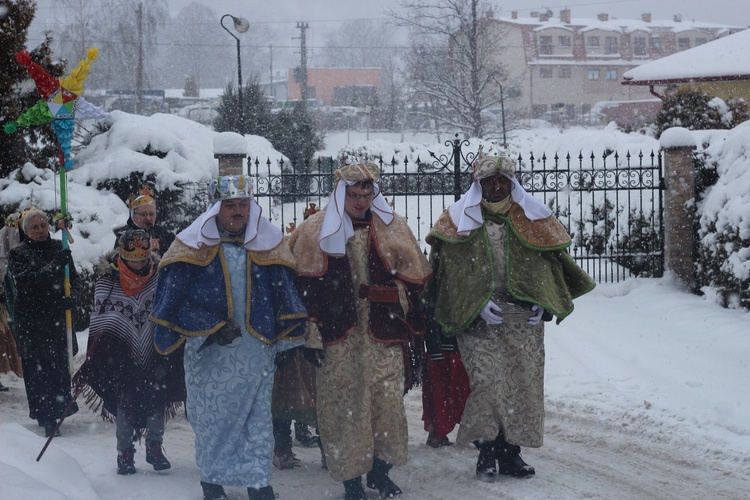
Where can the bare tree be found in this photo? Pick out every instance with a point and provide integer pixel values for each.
(78, 30)
(359, 44)
(195, 45)
(452, 66)
(112, 27)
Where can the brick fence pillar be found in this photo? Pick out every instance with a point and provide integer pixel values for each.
(679, 199)
(231, 150)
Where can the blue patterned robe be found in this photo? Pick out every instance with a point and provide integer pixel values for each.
(229, 387)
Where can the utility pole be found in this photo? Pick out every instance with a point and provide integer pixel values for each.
(270, 69)
(139, 64)
(303, 61)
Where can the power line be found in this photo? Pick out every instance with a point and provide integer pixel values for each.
(264, 46)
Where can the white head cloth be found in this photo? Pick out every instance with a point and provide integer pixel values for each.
(466, 213)
(260, 233)
(337, 225)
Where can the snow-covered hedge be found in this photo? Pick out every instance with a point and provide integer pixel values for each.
(724, 218)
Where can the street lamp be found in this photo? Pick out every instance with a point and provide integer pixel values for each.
(502, 110)
(241, 25)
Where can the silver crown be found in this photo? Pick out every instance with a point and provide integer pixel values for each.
(227, 187)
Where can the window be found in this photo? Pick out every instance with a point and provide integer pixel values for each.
(563, 72)
(592, 42)
(545, 72)
(611, 45)
(656, 42)
(545, 45)
(563, 41)
(593, 74)
(683, 43)
(700, 41)
(639, 46)
(611, 74)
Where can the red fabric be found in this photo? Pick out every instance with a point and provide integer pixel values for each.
(445, 387)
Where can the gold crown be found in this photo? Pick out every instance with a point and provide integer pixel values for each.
(144, 196)
(135, 245)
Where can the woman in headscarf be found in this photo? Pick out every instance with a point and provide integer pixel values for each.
(37, 268)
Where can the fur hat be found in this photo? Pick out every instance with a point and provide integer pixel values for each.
(30, 212)
(144, 196)
(358, 172)
(493, 163)
(227, 187)
(135, 244)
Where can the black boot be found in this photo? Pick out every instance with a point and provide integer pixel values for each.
(509, 459)
(378, 479)
(126, 462)
(213, 491)
(486, 468)
(354, 490)
(304, 437)
(49, 427)
(264, 493)
(155, 456)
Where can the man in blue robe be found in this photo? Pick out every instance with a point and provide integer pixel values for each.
(226, 289)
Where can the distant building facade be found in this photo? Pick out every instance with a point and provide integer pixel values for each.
(358, 87)
(562, 67)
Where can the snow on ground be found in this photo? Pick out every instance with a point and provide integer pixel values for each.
(646, 393)
(646, 398)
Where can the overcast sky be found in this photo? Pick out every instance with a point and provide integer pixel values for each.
(280, 17)
(326, 13)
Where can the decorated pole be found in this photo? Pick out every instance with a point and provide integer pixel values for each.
(65, 236)
(61, 104)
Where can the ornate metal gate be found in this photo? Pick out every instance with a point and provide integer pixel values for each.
(611, 204)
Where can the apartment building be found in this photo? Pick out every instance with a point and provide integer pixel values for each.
(562, 67)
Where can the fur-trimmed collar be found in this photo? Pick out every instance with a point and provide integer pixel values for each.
(203, 256)
(543, 234)
(395, 243)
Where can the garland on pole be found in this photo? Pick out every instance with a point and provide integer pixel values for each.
(61, 104)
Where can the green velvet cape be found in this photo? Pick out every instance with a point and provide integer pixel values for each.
(463, 282)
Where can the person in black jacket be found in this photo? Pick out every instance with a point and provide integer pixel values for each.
(37, 267)
(142, 207)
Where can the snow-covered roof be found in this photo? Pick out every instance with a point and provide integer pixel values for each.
(616, 24)
(726, 58)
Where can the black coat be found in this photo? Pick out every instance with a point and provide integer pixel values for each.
(38, 308)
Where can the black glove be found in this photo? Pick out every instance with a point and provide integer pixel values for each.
(283, 357)
(68, 303)
(314, 356)
(226, 334)
(63, 257)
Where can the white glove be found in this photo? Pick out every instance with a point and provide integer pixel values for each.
(537, 317)
(488, 313)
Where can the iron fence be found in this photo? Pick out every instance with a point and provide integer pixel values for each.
(611, 204)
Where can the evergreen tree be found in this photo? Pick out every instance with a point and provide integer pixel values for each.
(257, 111)
(697, 110)
(37, 145)
(295, 135)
